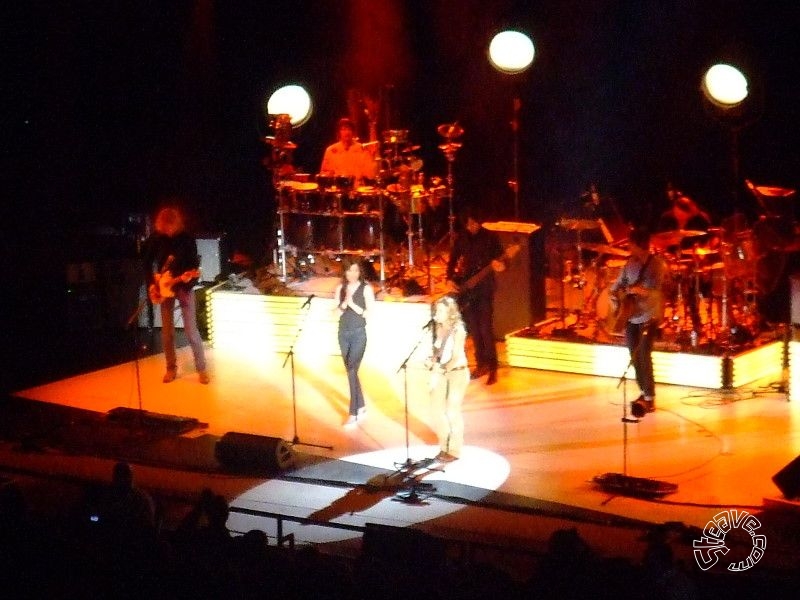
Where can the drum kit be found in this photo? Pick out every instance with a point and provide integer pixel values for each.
(331, 215)
(710, 292)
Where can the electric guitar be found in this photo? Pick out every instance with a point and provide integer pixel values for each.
(164, 281)
(466, 286)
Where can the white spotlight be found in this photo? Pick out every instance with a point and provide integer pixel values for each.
(292, 100)
(511, 51)
(725, 85)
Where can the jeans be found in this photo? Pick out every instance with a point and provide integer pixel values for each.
(447, 395)
(639, 338)
(353, 343)
(185, 298)
(478, 316)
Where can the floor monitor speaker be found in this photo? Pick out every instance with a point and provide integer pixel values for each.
(253, 453)
(788, 479)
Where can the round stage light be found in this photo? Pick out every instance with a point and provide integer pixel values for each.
(725, 85)
(511, 51)
(292, 100)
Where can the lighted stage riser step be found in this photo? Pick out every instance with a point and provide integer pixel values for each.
(672, 368)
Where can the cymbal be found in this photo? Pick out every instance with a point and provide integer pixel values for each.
(606, 249)
(698, 251)
(278, 143)
(665, 239)
(395, 136)
(770, 191)
(578, 224)
(450, 131)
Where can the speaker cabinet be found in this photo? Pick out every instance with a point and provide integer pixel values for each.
(211, 263)
(788, 479)
(245, 452)
(519, 300)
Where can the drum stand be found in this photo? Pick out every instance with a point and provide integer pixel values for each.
(450, 132)
(282, 246)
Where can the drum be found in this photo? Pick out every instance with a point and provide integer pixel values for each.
(365, 198)
(716, 274)
(418, 201)
(361, 232)
(306, 197)
(395, 136)
(739, 255)
(325, 180)
(309, 232)
(344, 183)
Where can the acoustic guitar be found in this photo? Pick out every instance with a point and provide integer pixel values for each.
(620, 311)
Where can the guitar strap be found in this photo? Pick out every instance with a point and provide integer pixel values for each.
(641, 271)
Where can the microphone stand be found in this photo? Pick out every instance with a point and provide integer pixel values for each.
(136, 418)
(132, 320)
(409, 485)
(622, 483)
(290, 358)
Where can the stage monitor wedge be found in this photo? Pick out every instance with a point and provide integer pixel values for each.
(249, 453)
(788, 479)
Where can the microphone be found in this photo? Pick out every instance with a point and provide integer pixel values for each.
(428, 325)
(308, 301)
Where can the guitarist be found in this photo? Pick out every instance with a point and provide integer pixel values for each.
(474, 249)
(638, 294)
(171, 269)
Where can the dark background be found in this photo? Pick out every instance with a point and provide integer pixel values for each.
(110, 106)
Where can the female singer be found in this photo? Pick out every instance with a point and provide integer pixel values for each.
(356, 299)
(449, 377)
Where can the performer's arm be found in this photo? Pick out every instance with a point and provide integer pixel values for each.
(498, 264)
(457, 355)
(341, 305)
(327, 161)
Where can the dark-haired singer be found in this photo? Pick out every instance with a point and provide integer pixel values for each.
(639, 287)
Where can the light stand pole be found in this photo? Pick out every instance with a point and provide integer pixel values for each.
(450, 132)
(511, 52)
(514, 183)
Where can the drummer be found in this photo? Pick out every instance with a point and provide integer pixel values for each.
(348, 158)
(684, 215)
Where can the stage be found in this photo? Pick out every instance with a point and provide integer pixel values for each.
(535, 440)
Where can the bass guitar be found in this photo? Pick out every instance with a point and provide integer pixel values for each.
(465, 288)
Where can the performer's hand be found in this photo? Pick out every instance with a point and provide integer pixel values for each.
(498, 266)
(153, 294)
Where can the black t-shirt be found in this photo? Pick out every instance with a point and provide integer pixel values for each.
(471, 253)
(158, 248)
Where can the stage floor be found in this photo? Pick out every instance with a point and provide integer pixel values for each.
(534, 442)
